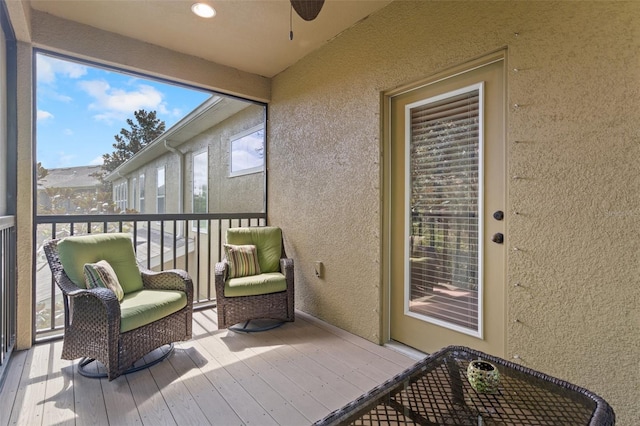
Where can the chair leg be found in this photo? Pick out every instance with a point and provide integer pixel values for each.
(270, 325)
(86, 361)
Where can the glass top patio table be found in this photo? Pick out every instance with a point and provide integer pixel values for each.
(435, 391)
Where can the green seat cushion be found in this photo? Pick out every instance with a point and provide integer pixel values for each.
(146, 306)
(271, 282)
(268, 242)
(115, 248)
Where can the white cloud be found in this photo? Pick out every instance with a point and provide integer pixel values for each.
(48, 68)
(119, 104)
(64, 159)
(67, 132)
(61, 98)
(44, 115)
(98, 161)
(248, 152)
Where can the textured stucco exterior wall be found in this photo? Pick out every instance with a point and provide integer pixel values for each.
(572, 143)
(24, 220)
(150, 170)
(239, 194)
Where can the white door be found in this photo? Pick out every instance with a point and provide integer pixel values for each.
(447, 257)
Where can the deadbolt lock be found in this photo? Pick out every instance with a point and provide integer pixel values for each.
(498, 238)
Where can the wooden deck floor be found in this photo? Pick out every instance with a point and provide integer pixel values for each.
(292, 375)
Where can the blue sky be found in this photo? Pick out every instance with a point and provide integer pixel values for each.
(81, 108)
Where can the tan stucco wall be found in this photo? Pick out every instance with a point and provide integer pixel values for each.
(577, 227)
(24, 220)
(170, 162)
(238, 194)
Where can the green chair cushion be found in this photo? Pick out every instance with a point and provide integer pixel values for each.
(268, 242)
(146, 306)
(271, 282)
(115, 248)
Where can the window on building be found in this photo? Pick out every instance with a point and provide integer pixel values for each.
(120, 194)
(247, 151)
(124, 196)
(116, 196)
(134, 190)
(200, 189)
(160, 190)
(141, 183)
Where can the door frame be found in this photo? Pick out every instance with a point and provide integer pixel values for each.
(386, 140)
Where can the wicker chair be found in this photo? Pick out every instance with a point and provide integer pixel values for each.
(99, 327)
(241, 300)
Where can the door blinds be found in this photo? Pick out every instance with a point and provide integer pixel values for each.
(444, 198)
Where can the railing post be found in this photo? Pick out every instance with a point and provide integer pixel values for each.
(8, 290)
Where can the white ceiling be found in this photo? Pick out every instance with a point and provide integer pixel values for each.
(250, 35)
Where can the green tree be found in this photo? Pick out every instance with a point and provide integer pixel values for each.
(146, 128)
(41, 171)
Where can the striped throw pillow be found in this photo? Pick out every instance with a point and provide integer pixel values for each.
(101, 274)
(242, 260)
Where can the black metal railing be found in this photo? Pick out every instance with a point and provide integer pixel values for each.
(8, 293)
(192, 242)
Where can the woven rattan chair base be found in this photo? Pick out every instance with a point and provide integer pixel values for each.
(101, 373)
(92, 319)
(256, 325)
(236, 310)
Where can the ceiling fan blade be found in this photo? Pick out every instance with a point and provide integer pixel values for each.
(307, 9)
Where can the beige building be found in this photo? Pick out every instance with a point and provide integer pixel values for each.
(205, 163)
(567, 294)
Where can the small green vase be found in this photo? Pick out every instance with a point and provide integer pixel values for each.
(483, 376)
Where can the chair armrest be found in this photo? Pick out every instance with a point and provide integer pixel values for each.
(66, 285)
(221, 269)
(286, 265)
(104, 295)
(220, 274)
(89, 305)
(87, 302)
(170, 279)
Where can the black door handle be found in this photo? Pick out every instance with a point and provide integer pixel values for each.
(498, 238)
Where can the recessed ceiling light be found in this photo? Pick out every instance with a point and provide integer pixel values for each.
(203, 10)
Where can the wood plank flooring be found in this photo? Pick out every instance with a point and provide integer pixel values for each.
(292, 375)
